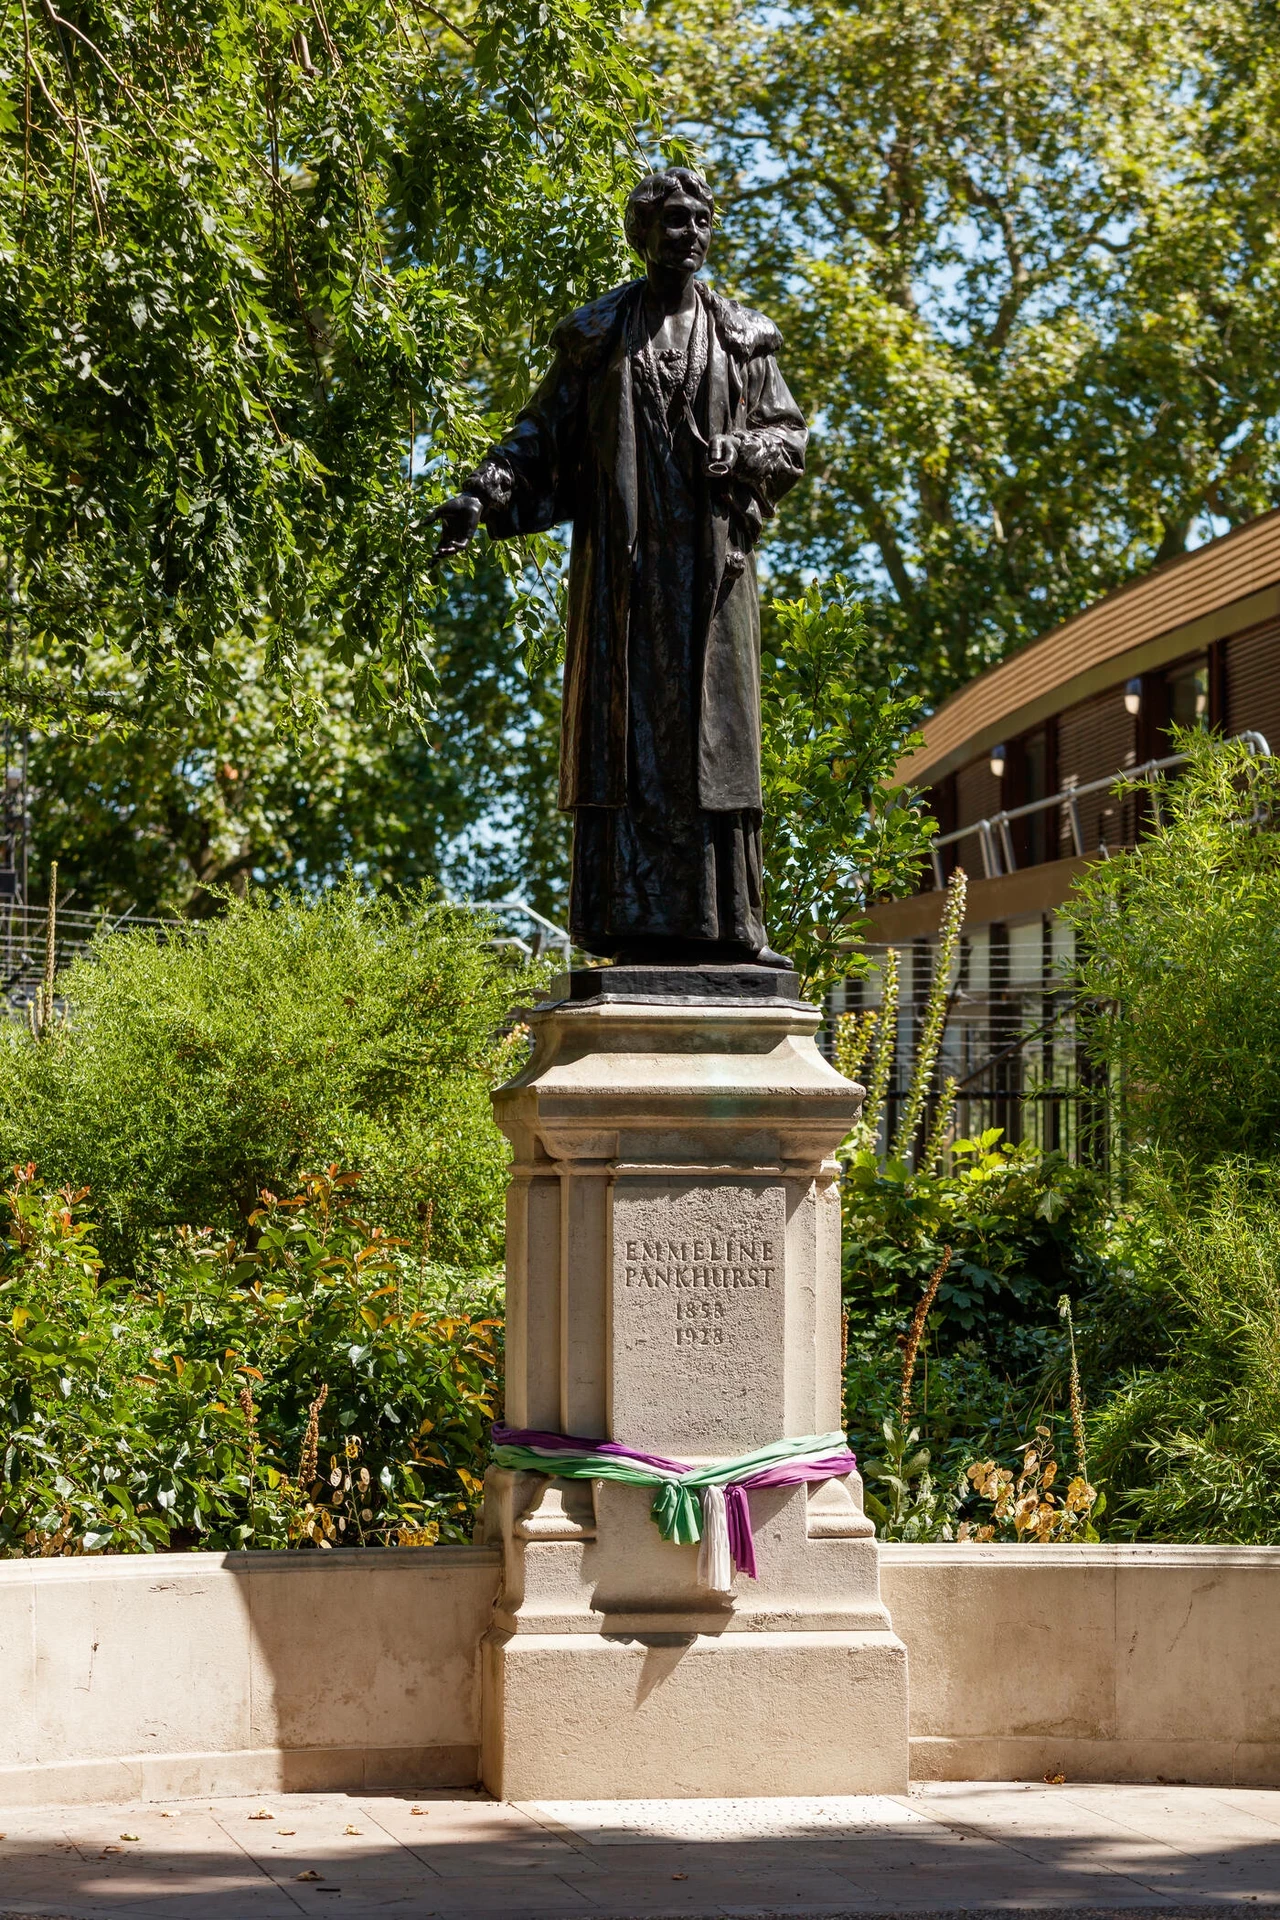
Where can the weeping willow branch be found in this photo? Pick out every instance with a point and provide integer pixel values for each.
(48, 700)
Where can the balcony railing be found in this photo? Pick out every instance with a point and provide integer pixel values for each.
(996, 841)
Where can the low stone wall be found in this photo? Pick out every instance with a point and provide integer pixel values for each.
(155, 1677)
(1102, 1663)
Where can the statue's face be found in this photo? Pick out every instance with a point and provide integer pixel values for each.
(679, 234)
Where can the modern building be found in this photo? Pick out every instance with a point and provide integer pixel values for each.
(1020, 769)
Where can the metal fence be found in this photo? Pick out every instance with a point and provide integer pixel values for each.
(536, 936)
(24, 931)
(1015, 1052)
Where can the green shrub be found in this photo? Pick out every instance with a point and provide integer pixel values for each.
(325, 1388)
(194, 1071)
(1178, 945)
(1021, 1226)
(1016, 1223)
(922, 1427)
(1189, 1444)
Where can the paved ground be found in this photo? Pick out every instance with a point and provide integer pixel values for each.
(954, 1849)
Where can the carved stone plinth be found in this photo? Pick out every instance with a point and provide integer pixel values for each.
(673, 1276)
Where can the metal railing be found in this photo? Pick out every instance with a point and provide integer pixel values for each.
(1035, 1084)
(996, 841)
(24, 932)
(546, 935)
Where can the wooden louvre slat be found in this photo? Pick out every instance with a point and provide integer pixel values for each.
(1195, 585)
(1253, 684)
(1095, 740)
(978, 796)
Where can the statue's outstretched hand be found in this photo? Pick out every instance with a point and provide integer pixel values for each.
(459, 518)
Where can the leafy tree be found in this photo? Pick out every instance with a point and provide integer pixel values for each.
(1024, 256)
(277, 1039)
(838, 835)
(1177, 949)
(159, 816)
(249, 259)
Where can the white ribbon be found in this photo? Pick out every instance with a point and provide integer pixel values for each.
(715, 1568)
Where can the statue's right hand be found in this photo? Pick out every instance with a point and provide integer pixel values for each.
(458, 519)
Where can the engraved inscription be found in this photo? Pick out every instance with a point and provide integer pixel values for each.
(728, 1263)
(691, 1328)
(698, 1313)
(700, 1336)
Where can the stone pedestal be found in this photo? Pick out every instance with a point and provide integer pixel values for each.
(673, 1282)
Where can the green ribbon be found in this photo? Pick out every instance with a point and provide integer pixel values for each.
(677, 1513)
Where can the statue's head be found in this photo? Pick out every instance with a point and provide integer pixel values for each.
(668, 221)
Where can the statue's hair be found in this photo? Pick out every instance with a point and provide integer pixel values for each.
(653, 191)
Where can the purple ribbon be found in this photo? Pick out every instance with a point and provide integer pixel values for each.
(742, 1546)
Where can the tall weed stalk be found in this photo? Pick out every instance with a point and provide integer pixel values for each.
(871, 1034)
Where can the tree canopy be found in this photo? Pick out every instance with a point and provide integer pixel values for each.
(250, 257)
(838, 835)
(1175, 943)
(1024, 257)
(270, 274)
(161, 817)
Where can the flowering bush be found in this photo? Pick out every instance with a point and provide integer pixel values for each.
(1023, 1505)
(314, 1384)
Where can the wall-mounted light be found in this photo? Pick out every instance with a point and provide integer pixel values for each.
(1133, 697)
(997, 762)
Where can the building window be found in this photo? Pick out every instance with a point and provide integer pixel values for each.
(1189, 695)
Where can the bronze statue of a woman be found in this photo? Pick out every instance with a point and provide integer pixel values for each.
(666, 434)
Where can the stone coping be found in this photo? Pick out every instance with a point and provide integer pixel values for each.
(1106, 1553)
(446, 1557)
(144, 1566)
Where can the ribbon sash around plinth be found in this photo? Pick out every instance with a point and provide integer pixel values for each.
(720, 1518)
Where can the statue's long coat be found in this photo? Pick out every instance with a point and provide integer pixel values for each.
(573, 453)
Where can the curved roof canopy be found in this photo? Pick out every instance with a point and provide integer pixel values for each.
(1220, 588)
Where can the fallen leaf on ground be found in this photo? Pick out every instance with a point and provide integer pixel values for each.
(417, 1809)
(679, 1876)
(130, 1836)
(1055, 1779)
(263, 1813)
(286, 1833)
(353, 1829)
(310, 1874)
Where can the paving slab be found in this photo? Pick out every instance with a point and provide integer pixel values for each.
(960, 1849)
